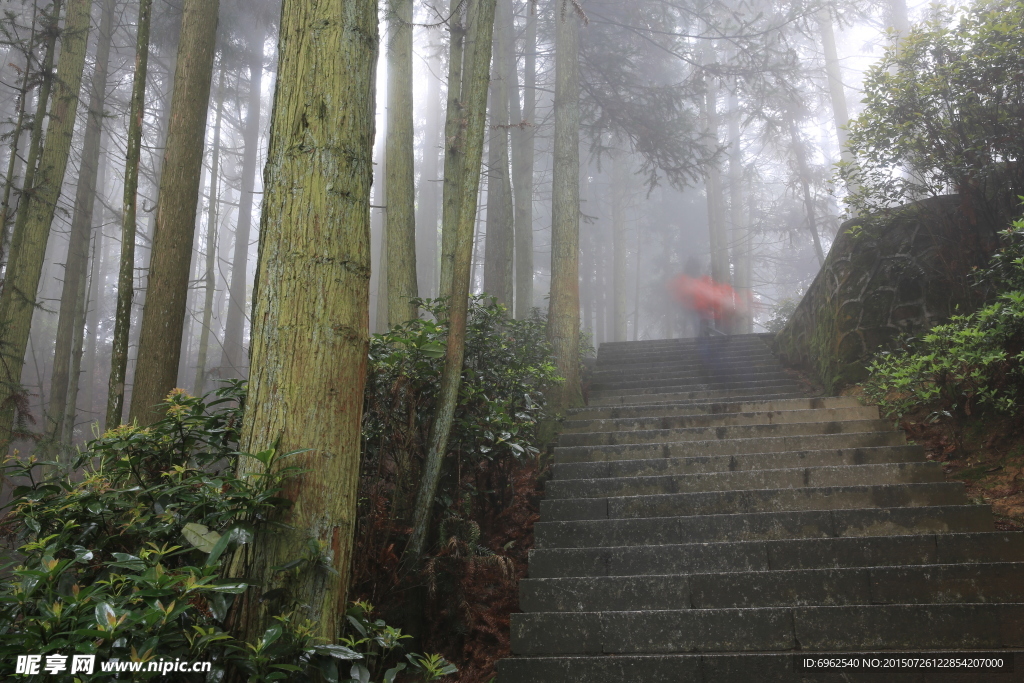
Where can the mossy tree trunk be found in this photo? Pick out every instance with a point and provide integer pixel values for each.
(234, 361)
(311, 317)
(564, 306)
(129, 211)
(75, 266)
(399, 188)
(470, 142)
(523, 136)
(163, 316)
(453, 139)
(35, 213)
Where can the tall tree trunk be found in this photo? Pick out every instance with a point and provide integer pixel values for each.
(311, 318)
(212, 216)
(454, 136)
(470, 142)
(618, 192)
(523, 136)
(837, 93)
(564, 305)
(81, 228)
(499, 248)
(636, 291)
(744, 322)
(163, 316)
(93, 317)
(234, 361)
(36, 210)
(429, 191)
(713, 183)
(805, 182)
(400, 188)
(35, 140)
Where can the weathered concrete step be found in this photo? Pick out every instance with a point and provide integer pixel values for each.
(935, 493)
(769, 386)
(667, 346)
(724, 432)
(918, 585)
(652, 410)
(859, 627)
(792, 477)
(762, 417)
(740, 362)
(776, 555)
(710, 378)
(763, 526)
(776, 667)
(738, 463)
(697, 397)
(684, 449)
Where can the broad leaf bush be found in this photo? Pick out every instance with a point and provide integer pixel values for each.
(973, 362)
(127, 556)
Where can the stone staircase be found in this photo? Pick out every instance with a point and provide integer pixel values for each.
(708, 521)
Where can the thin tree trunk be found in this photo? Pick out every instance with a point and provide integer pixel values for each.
(77, 347)
(523, 136)
(744, 322)
(713, 182)
(454, 135)
(68, 323)
(471, 142)
(95, 305)
(636, 292)
(801, 164)
(310, 325)
(499, 248)
(837, 92)
(234, 361)
(35, 213)
(564, 306)
(126, 270)
(429, 191)
(400, 187)
(163, 317)
(618, 191)
(212, 217)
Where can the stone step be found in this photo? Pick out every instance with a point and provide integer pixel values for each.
(754, 501)
(917, 585)
(683, 449)
(737, 463)
(741, 362)
(761, 417)
(744, 480)
(851, 628)
(723, 432)
(702, 390)
(666, 346)
(716, 408)
(763, 526)
(711, 378)
(757, 667)
(694, 398)
(776, 555)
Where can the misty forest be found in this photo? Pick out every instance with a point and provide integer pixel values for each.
(482, 340)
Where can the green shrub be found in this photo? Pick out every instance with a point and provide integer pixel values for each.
(974, 361)
(127, 556)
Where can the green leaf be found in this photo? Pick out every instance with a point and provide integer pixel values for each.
(200, 536)
(337, 651)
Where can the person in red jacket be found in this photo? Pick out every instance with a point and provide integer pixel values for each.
(714, 303)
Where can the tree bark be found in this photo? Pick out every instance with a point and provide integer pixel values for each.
(564, 305)
(212, 216)
(163, 317)
(311, 318)
(399, 188)
(499, 247)
(801, 164)
(713, 184)
(234, 361)
(618, 191)
(470, 142)
(744, 322)
(837, 93)
(75, 265)
(454, 135)
(129, 209)
(523, 136)
(36, 210)
(429, 191)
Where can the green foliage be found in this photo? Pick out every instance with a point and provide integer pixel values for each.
(945, 113)
(127, 555)
(781, 314)
(974, 361)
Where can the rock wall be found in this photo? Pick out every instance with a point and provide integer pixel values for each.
(884, 277)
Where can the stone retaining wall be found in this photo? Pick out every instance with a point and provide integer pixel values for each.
(903, 275)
